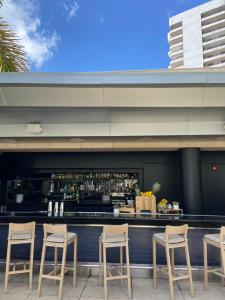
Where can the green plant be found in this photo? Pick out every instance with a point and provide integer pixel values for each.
(12, 55)
(156, 187)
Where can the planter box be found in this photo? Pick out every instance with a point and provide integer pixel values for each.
(145, 203)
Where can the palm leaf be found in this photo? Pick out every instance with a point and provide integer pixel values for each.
(12, 56)
(1, 2)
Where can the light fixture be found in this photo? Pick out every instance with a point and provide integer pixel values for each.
(34, 128)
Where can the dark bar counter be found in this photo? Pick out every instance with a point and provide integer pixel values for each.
(101, 218)
(88, 227)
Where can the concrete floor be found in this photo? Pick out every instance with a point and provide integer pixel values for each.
(88, 288)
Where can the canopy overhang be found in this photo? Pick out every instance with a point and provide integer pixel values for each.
(113, 104)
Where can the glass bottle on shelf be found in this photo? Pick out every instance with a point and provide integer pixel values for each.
(52, 184)
(77, 197)
(65, 192)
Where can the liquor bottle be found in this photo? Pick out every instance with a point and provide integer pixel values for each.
(56, 210)
(61, 211)
(50, 208)
(65, 192)
(52, 184)
(77, 197)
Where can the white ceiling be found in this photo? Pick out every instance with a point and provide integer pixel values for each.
(157, 103)
(112, 97)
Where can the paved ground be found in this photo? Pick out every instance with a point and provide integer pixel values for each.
(88, 289)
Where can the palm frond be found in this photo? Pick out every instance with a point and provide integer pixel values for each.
(12, 56)
(1, 2)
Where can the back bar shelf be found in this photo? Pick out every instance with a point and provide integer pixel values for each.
(76, 187)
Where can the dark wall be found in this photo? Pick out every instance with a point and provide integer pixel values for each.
(213, 182)
(152, 166)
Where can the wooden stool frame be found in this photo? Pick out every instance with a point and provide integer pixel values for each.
(59, 230)
(23, 229)
(170, 247)
(110, 231)
(217, 271)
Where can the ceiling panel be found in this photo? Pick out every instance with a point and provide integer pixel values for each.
(153, 97)
(53, 96)
(214, 97)
(108, 115)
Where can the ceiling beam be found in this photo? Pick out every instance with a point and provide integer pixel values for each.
(113, 144)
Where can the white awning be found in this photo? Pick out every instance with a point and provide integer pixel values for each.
(135, 103)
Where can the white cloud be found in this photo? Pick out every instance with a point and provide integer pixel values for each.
(71, 9)
(22, 16)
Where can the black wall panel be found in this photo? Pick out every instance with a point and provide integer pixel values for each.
(213, 182)
(161, 166)
(168, 175)
(152, 166)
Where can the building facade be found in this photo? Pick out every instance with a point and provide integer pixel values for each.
(197, 37)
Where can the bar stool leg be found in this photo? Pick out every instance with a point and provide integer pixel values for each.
(55, 262)
(128, 270)
(154, 264)
(41, 268)
(7, 266)
(31, 264)
(100, 262)
(222, 253)
(62, 271)
(105, 272)
(189, 270)
(75, 264)
(169, 272)
(172, 259)
(121, 264)
(205, 251)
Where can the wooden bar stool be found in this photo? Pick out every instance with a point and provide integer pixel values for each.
(20, 234)
(114, 236)
(218, 241)
(174, 237)
(56, 236)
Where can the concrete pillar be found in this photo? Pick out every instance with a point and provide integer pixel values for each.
(191, 179)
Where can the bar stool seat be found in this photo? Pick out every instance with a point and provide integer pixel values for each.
(173, 238)
(218, 241)
(117, 238)
(59, 238)
(214, 238)
(20, 234)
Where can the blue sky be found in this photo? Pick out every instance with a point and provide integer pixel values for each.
(94, 35)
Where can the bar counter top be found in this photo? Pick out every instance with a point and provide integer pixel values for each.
(101, 218)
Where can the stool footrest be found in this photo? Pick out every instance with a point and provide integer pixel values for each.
(47, 276)
(58, 276)
(117, 277)
(19, 272)
(180, 277)
(217, 271)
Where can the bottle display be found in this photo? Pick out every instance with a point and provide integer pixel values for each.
(77, 187)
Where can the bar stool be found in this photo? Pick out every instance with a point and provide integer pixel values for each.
(114, 236)
(56, 236)
(218, 241)
(174, 237)
(20, 234)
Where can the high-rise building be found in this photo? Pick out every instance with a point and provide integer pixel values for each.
(197, 37)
